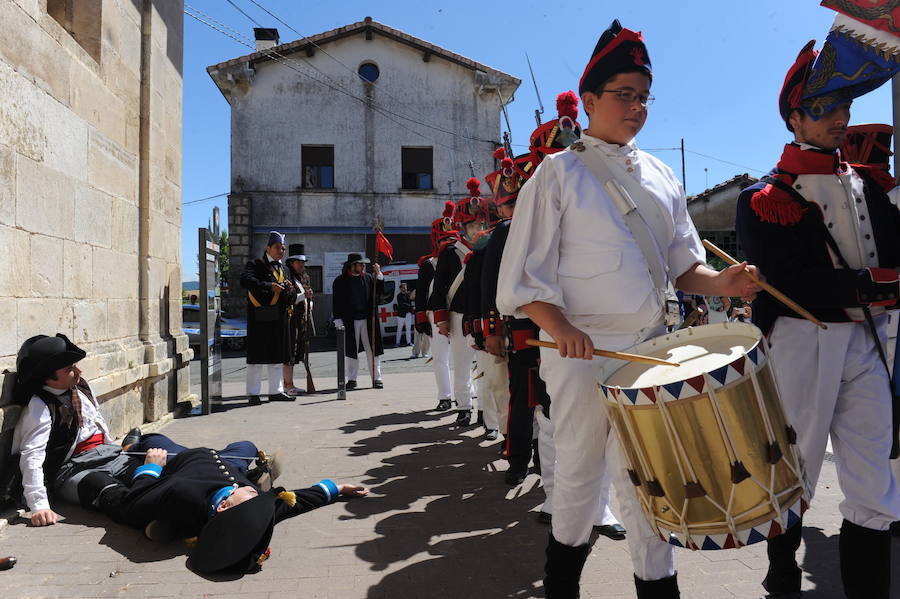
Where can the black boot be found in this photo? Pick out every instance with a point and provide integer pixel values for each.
(865, 562)
(783, 576)
(100, 491)
(463, 417)
(664, 588)
(480, 420)
(563, 569)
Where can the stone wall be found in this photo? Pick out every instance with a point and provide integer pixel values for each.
(90, 197)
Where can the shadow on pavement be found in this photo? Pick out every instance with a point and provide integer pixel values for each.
(468, 539)
(821, 563)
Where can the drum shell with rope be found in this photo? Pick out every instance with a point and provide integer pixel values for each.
(707, 444)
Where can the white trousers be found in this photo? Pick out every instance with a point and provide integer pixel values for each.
(547, 452)
(585, 449)
(254, 378)
(404, 323)
(440, 353)
(362, 336)
(493, 397)
(421, 344)
(833, 382)
(461, 353)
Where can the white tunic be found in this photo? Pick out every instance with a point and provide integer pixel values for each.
(570, 247)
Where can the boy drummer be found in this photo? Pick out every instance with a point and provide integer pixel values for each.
(572, 265)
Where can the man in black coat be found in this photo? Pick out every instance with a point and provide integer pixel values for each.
(354, 294)
(270, 299)
(181, 492)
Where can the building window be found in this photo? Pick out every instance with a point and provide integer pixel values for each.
(318, 166)
(416, 165)
(725, 240)
(315, 278)
(369, 71)
(82, 19)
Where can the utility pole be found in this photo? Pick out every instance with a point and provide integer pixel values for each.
(895, 94)
(683, 178)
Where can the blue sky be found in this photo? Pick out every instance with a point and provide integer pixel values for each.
(718, 67)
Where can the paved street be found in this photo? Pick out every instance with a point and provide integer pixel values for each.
(439, 523)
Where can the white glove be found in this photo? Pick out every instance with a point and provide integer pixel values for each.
(338, 323)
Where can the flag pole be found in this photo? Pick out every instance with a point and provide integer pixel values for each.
(377, 228)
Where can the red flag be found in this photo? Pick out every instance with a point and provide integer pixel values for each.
(382, 245)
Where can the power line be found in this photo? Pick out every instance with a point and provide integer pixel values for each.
(750, 168)
(238, 8)
(218, 195)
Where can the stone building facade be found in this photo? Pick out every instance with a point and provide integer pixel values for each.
(713, 212)
(336, 132)
(90, 197)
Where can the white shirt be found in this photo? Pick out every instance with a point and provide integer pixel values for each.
(569, 246)
(32, 434)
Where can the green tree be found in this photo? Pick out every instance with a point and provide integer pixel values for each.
(224, 250)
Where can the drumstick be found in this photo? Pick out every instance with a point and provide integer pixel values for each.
(608, 354)
(774, 292)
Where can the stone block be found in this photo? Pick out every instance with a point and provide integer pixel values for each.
(65, 139)
(7, 186)
(46, 273)
(156, 396)
(93, 213)
(123, 411)
(124, 226)
(96, 104)
(78, 273)
(43, 316)
(32, 52)
(8, 341)
(89, 320)
(45, 199)
(15, 276)
(122, 318)
(111, 168)
(115, 275)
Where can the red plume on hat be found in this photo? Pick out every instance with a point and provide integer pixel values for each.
(474, 186)
(449, 207)
(500, 153)
(567, 105)
(795, 82)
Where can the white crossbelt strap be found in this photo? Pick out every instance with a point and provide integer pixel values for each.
(642, 214)
(454, 287)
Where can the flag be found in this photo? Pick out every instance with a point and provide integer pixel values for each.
(382, 245)
(861, 53)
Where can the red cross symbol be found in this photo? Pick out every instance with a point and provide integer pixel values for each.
(384, 314)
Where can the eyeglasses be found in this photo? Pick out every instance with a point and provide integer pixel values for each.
(628, 96)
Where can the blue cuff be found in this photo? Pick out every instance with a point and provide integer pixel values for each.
(331, 490)
(153, 470)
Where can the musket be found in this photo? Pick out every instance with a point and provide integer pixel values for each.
(168, 455)
(537, 113)
(307, 332)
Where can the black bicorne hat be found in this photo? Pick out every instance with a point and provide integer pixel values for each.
(619, 50)
(39, 357)
(237, 538)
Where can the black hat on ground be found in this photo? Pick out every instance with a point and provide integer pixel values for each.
(39, 357)
(619, 50)
(238, 538)
(296, 251)
(356, 258)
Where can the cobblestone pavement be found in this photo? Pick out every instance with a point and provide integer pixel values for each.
(440, 523)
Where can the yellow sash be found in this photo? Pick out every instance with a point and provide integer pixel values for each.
(279, 278)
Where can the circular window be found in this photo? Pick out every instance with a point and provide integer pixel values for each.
(369, 72)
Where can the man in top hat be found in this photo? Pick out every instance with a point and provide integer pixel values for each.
(572, 264)
(300, 314)
(270, 300)
(181, 493)
(448, 302)
(355, 293)
(61, 436)
(825, 234)
(441, 230)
